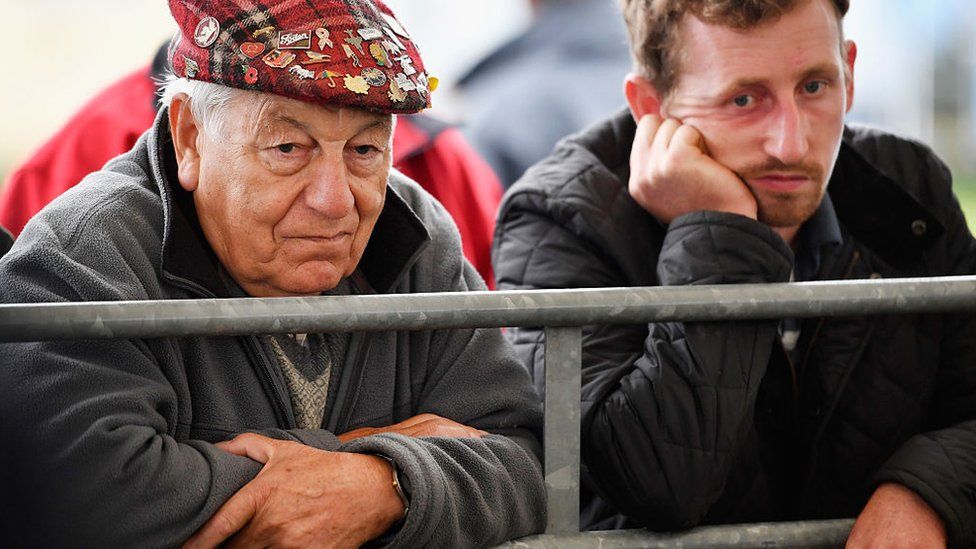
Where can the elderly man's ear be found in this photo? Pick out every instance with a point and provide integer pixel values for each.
(185, 132)
(642, 96)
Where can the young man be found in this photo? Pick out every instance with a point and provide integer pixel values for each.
(267, 174)
(739, 169)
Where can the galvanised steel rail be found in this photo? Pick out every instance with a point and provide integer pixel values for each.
(208, 317)
(562, 312)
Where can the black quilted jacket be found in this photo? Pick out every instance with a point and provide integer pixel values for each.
(699, 423)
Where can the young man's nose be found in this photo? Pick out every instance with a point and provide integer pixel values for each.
(787, 132)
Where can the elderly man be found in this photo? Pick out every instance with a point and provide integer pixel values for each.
(739, 169)
(267, 174)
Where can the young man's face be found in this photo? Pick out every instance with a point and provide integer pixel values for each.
(289, 195)
(770, 102)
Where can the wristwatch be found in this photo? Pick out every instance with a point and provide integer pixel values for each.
(401, 488)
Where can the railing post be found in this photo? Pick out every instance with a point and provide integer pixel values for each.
(562, 428)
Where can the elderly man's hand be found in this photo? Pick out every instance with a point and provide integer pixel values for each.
(423, 425)
(304, 497)
(671, 173)
(897, 517)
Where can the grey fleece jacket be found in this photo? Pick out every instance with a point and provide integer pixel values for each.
(110, 443)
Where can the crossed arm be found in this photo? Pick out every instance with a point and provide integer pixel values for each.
(305, 497)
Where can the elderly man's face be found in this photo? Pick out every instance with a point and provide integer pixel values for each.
(289, 194)
(770, 103)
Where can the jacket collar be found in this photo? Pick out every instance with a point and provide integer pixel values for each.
(398, 237)
(871, 205)
(878, 210)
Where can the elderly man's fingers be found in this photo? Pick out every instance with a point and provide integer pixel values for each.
(229, 519)
(250, 445)
(442, 427)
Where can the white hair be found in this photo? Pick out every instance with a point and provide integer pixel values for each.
(208, 101)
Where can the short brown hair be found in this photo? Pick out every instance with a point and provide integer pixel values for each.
(653, 28)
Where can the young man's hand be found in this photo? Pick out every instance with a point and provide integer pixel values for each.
(671, 173)
(897, 517)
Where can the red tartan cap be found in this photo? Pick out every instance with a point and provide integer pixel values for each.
(349, 53)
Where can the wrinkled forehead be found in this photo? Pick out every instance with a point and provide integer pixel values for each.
(261, 113)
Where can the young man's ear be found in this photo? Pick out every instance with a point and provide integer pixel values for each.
(642, 96)
(185, 132)
(850, 50)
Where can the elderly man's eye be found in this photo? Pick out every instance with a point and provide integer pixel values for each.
(287, 148)
(365, 149)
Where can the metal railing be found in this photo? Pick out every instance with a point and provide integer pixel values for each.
(562, 312)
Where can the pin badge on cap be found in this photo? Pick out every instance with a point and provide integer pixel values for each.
(356, 84)
(379, 54)
(191, 68)
(279, 59)
(396, 94)
(355, 41)
(206, 32)
(294, 40)
(302, 72)
(324, 40)
(395, 25)
(315, 58)
(250, 75)
(370, 33)
(374, 77)
(252, 49)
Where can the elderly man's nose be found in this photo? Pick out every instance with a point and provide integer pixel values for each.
(329, 191)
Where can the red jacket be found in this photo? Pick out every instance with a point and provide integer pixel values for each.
(426, 150)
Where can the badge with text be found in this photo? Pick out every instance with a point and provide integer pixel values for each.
(294, 40)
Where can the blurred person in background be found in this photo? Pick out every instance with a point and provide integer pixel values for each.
(429, 151)
(266, 174)
(733, 165)
(557, 77)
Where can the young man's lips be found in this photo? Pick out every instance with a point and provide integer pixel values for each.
(781, 182)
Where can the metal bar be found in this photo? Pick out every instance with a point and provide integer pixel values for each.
(806, 535)
(562, 428)
(145, 319)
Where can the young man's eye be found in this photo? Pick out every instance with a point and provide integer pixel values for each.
(814, 87)
(743, 101)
